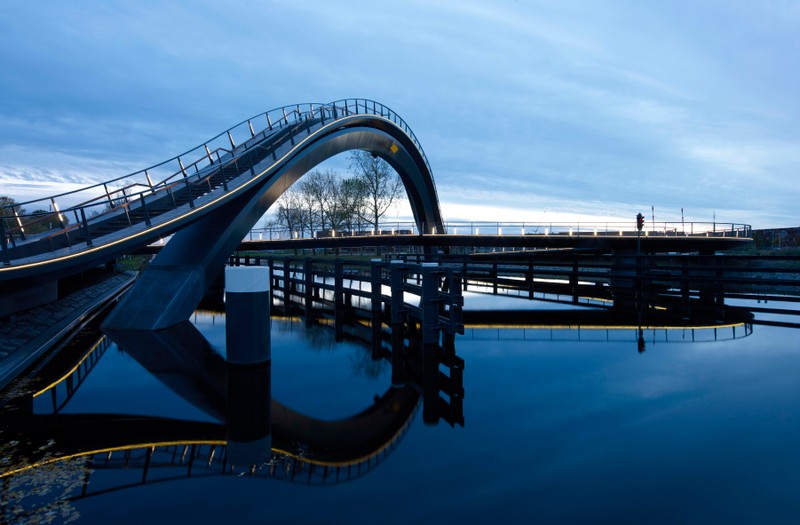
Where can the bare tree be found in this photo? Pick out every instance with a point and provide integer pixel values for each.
(381, 184)
(325, 200)
(289, 212)
(317, 194)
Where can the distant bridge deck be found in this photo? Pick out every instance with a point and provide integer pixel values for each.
(601, 242)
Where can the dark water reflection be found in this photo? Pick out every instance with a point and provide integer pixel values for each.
(562, 425)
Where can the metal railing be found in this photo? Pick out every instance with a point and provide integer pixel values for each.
(576, 229)
(126, 198)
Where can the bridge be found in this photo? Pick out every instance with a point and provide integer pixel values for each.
(211, 196)
(208, 197)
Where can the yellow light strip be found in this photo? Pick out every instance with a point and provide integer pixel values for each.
(65, 376)
(110, 450)
(603, 327)
(107, 451)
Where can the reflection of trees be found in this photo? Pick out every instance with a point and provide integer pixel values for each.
(365, 366)
(321, 338)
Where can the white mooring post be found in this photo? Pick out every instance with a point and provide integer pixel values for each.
(247, 336)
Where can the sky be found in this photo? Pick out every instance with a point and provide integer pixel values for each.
(527, 110)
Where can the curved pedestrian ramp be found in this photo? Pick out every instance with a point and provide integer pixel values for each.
(208, 197)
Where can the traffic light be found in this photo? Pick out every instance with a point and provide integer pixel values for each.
(639, 221)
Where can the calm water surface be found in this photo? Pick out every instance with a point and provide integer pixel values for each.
(561, 426)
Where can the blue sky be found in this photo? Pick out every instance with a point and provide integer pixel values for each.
(529, 110)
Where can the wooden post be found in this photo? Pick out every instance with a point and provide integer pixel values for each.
(529, 278)
(338, 295)
(308, 290)
(287, 288)
(494, 276)
(398, 271)
(573, 280)
(376, 321)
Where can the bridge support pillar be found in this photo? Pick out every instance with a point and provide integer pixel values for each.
(249, 363)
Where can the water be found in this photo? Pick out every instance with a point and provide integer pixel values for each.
(560, 426)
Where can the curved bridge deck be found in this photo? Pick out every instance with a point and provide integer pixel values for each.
(118, 216)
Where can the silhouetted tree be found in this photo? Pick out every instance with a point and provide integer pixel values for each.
(381, 184)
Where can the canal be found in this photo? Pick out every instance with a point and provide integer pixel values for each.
(552, 422)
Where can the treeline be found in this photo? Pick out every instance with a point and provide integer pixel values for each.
(323, 200)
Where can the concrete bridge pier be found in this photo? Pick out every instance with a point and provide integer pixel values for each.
(249, 364)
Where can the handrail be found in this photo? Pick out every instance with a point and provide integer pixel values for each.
(204, 161)
(294, 112)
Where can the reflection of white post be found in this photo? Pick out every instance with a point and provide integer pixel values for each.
(247, 336)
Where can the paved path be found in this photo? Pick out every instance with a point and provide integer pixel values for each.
(25, 336)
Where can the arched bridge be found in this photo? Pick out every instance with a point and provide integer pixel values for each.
(209, 197)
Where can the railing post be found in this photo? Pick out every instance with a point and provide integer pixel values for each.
(19, 224)
(4, 241)
(208, 154)
(108, 196)
(85, 226)
(188, 190)
(58, 214)
(144, 209)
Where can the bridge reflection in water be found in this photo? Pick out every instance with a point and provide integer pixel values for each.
(41, 437)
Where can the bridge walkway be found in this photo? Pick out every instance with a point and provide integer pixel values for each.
(196, 185)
